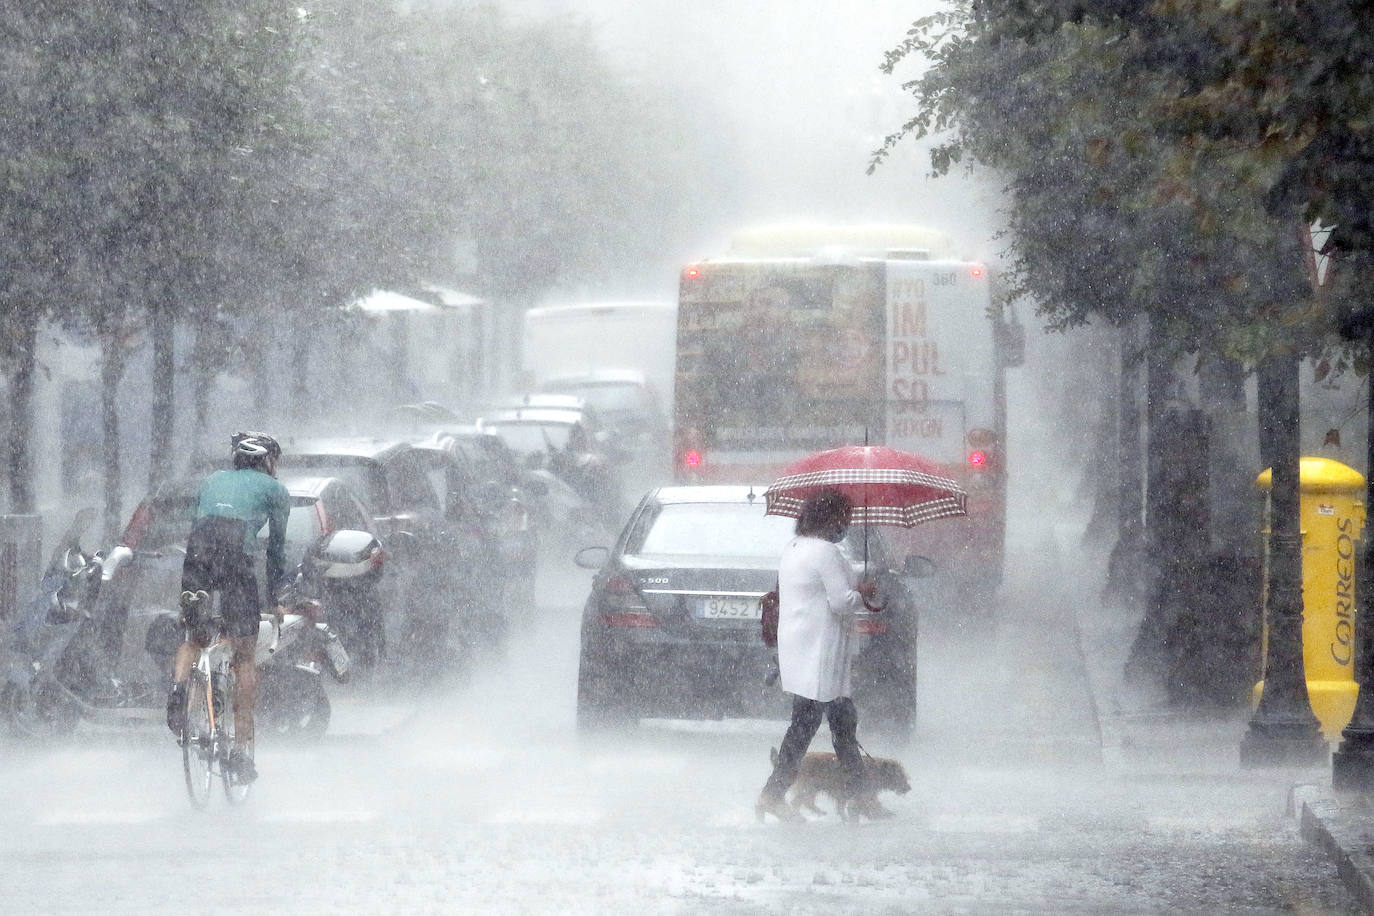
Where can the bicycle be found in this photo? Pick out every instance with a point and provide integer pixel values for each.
(207, 738)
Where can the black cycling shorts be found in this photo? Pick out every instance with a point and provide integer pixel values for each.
(215, 562)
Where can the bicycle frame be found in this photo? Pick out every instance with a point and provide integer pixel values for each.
(213, 669)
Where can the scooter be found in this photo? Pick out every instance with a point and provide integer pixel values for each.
(57, 672)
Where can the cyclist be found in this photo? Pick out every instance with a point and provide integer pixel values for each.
(232, 507)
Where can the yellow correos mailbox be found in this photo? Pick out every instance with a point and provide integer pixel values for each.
(1332, 519)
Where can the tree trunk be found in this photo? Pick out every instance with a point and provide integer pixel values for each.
(21, 419)
(1160, 527)
(1103, 471)
(1125, 568)
(164, 393)
(260, 349)
(299, 408)
(202, 374)
(111, 373)
(1231, 477)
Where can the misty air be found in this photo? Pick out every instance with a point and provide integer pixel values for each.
(565, 456)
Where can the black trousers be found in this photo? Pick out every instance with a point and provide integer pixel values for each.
(806, 719)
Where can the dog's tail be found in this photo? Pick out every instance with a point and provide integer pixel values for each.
(773, 756)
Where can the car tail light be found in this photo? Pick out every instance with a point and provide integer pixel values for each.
(872, 626)
(623, 606)
(137, 527)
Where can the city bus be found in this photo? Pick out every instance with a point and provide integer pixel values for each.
(808, 338)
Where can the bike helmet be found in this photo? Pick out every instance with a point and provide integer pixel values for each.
(252, 449)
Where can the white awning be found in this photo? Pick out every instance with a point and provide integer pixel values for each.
(453, 298)
(386, 300)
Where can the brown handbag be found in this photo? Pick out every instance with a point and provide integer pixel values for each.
(768, 619)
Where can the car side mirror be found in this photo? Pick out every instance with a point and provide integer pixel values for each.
(592, 557)
(345, 553)
(916, 566)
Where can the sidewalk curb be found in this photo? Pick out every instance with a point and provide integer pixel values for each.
(1322, 823)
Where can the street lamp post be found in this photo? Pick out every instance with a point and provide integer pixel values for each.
(1283, 730)
(1352, 765)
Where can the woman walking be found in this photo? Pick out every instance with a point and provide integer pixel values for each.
(819, 594)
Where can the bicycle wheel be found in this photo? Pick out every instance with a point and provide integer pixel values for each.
(235, 791)
(198, 742)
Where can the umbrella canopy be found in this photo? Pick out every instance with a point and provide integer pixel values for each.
(886, 486)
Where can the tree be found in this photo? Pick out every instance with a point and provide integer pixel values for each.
(1109, 217)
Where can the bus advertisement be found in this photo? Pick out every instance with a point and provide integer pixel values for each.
(780, 356)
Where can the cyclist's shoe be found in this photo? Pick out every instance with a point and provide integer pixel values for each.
(241, 766)
(176, 709)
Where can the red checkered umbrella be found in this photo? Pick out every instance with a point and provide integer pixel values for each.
(886, 486)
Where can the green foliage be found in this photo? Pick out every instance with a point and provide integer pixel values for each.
(1156, 158)
(211, 158)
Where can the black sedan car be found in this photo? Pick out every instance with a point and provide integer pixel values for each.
(671, 627)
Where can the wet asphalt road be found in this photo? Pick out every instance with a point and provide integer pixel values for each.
(479, 797)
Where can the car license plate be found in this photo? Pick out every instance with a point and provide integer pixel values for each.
(728, 607)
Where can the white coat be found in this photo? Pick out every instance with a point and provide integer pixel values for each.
(817, 601)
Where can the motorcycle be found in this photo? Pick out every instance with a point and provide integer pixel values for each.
(293, 655)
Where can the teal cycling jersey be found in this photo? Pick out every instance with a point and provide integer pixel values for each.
(256, 499)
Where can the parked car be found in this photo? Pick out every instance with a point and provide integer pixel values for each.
(624, 400)
(445, 581)
(539, 515)
(562, 440)
(671, 626)
(506, 493)
(321, 506)
(632, 413)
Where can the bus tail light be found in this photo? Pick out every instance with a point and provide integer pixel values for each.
(691, 456)
(982, 449)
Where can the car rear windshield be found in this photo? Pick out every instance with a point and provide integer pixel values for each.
(716, 529)
(607, 397)
(533, 437)
(358, 473)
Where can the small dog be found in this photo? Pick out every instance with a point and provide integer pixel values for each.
(821, 774)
